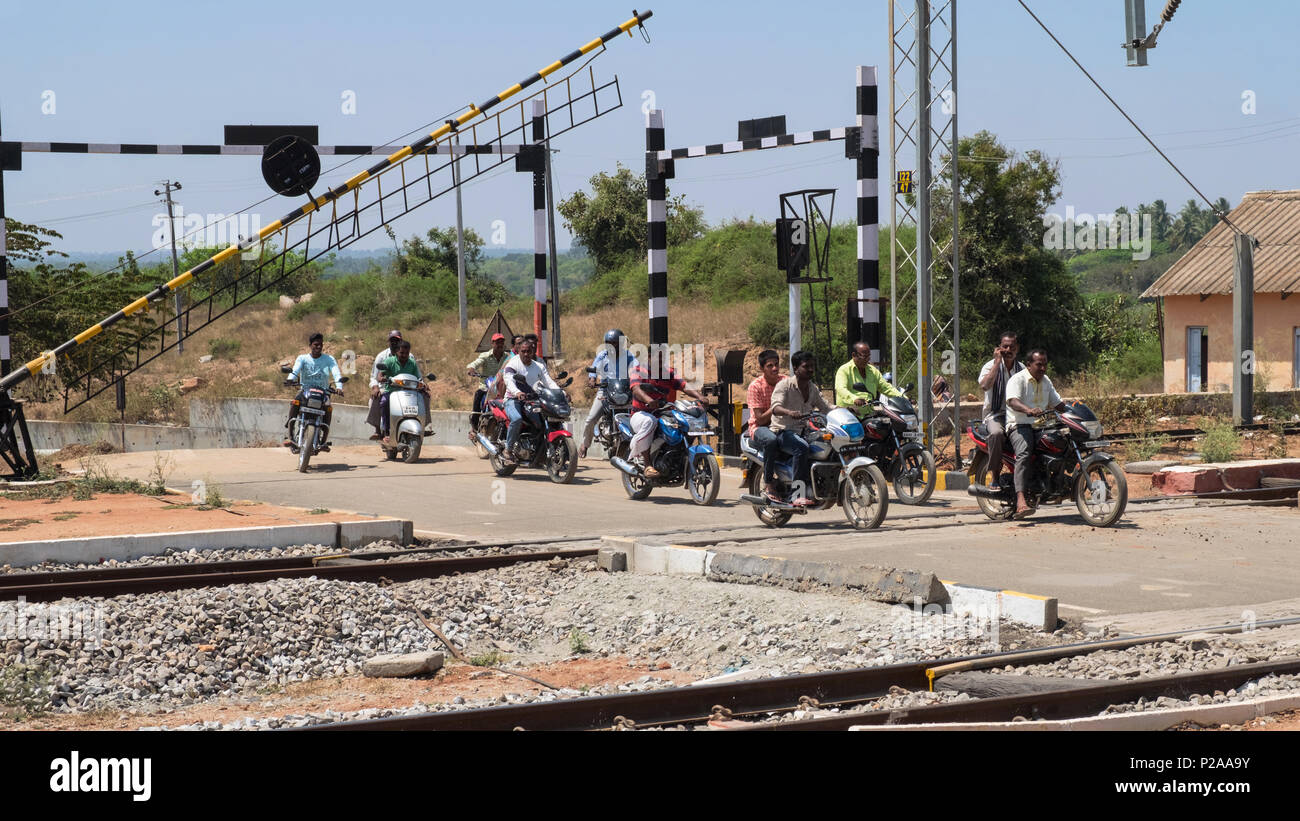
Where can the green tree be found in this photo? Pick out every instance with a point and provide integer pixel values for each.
(610, 223)
(1160, 220)
(1008, 279)
(435, 258)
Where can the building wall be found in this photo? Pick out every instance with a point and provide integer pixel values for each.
(1276, 320)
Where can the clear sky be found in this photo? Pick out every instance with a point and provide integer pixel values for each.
(155, 72)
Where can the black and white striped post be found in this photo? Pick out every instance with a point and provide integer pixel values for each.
(4, 269)
(657, 175)
(868, 160)
(539, 230)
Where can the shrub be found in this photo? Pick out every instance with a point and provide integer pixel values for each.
(222, 348)
(1221, 442)
(25, 688)
(1140, 450)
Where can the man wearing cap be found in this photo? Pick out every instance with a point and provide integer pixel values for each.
(373, 417)
(487, 365)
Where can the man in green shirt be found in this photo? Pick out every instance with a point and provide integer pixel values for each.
(860, 369)
(486, 366)
(390, 367)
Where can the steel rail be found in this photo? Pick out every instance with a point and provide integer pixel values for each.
(219, 574)
(696, 703)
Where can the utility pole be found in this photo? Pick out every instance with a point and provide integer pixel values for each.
(167, 188)
(1243, 330)
(555, 268)
(460, 249)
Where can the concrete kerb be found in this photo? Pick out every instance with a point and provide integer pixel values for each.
(889, 585)
(1149, 720)
(91, 550)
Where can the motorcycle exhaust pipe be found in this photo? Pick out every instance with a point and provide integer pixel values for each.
(623, 465)
(487, 444)
(985, 491)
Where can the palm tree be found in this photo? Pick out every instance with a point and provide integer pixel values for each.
(1182, 235)
(1160, 220)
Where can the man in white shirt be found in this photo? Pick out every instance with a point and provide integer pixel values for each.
(1029, 395)
(993, 380)
(534, 374)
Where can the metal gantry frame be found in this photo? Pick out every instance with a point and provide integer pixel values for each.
(923, 116)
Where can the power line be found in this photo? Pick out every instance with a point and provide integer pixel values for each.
(1118, 108)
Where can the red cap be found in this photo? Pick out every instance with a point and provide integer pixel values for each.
(495, 337)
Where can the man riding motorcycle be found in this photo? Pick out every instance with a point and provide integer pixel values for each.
(793, 399)
(652, 387)
(403, 362)
(376, 390)
(859, 369)
(534, 373)
(314, 370)
(1030, 394)
(486, 367)
(607, 365)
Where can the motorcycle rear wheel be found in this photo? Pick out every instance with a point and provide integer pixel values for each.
(704, 480)
(1101, 493)
(998, 511)
(766, 515)
(501, 468)
(864, 495)
(637, 487)
(562, 460)
(915, 489)
(305, 450)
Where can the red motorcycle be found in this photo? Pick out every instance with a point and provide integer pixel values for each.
(543, 442)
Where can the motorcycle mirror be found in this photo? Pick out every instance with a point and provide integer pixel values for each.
(566, 383)
(343, 380)
(590, 369)
(908, 387)
(561, 375)
(858, 386)
(430, 377)
(286, 369)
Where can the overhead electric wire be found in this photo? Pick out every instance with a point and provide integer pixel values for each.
(1131, 121)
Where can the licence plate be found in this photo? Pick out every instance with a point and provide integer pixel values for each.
(410, 410)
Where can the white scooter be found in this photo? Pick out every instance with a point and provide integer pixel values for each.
(408, 418)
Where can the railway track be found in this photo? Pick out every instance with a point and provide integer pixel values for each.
(368, 567)
(759, 700)
(1183, 434)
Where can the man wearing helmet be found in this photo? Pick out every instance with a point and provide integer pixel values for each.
(614, 361)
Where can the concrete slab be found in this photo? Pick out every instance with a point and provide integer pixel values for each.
(359, 534)
(885, 584)
(1038, 612)
(1212, 478)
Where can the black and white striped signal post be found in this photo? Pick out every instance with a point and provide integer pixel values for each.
(868, 161)
(539, 228)
(658, 172)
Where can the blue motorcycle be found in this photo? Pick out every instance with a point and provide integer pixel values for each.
(675, 452)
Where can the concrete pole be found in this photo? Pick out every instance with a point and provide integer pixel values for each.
(796, 319)
(176, 270)
(956, 256)
(4, 278)
(923, 295)
(1243, 330)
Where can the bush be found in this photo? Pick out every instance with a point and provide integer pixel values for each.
(771, 326)
(1221, 442)
(221, 347)
(1140, 450)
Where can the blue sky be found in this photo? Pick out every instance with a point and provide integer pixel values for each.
(172, 72)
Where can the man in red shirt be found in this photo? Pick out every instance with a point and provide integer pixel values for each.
(653, 385)
(759, 400)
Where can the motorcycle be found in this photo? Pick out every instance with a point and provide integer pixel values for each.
(618, 400)
(1067, 462)
(893, 441)
(478, 421)
(671, 453)
(543, 441)
(309, 431)
(408, 418)
(842, 473)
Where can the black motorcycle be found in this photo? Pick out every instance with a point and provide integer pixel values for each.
(1067, 463)
(309, 431)
(618, 400)
(894, 441)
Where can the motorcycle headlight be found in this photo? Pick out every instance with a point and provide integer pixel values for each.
(910, 419)
(1093, 428)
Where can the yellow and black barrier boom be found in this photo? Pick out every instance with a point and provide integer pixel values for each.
(36, 365)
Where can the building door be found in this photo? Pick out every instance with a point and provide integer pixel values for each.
(1198, 359)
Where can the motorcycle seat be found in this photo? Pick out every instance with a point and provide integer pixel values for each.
(749, 449)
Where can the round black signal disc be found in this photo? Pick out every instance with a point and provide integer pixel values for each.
(290, 165)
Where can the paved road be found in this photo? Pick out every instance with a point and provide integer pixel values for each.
(1163, 556)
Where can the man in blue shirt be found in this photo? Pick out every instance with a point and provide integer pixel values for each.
(608, 365)
(314, 370)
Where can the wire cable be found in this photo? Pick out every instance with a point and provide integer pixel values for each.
(1223, 217)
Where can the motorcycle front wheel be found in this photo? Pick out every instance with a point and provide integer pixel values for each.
(562, 460)
(768, 516)
(704, 480)
(412, 443)
(308, 442)
(1101, 493)
(914, 483)
(865, 497)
